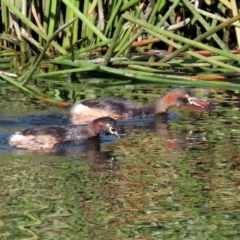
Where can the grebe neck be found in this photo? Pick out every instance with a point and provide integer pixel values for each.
(160, 106)
(148, 109)
(82, 132)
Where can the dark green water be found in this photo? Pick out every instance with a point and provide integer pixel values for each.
(174, 179)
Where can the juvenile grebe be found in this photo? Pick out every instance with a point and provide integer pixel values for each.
(50, 136)
(121, 108)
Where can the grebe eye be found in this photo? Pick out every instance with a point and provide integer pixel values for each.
(113, 131)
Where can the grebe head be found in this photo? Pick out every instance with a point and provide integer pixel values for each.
(180, 97)
(106, 126)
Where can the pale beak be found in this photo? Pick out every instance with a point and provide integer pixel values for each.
(200, 103)
(116, 134)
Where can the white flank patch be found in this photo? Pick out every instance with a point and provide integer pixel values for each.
(16, 137)
(79, 108)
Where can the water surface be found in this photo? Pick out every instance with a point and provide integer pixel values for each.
(174, 177)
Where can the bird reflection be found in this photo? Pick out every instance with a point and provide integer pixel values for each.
(89, 151)
(178, 138)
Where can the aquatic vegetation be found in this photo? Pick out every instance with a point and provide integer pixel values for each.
(164, 179)
(98, 37)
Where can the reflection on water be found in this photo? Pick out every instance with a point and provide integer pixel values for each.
(35, 120)
(174, 176)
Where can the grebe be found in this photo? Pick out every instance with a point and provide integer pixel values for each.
(121, 108)
(50, 136)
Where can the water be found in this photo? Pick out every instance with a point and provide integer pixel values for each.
(166, 178)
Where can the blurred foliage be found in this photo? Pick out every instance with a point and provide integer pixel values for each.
(161, 41)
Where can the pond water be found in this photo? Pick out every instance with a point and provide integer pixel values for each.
(174, 177)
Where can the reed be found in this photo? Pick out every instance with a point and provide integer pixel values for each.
(39, 40)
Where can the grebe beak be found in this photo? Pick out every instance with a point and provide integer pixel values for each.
(201, 103)
(114, 132)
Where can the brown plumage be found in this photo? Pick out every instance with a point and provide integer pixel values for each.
(121, 108)
(50, 136)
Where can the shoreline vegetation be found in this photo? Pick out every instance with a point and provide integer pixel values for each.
(190, 43)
